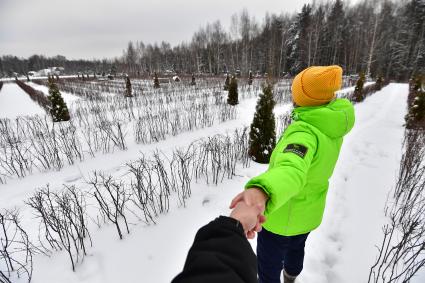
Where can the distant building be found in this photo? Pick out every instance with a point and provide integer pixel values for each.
(51, 71)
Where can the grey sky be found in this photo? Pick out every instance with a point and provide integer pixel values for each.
(102, 28)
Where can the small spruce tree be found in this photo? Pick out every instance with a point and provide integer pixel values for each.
(416, 115)
(232, 97)
(262, 136)
(128, 92)
(227, 82)
(250, 78)
(58, 110)
(379, 83)
(358, 90)
(155, 81)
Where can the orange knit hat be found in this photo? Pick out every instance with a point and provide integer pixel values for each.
(316, 85)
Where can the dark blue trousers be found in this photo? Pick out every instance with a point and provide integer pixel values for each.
(275, 252)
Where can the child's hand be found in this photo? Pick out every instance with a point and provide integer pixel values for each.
(252, 197)
(250, 217)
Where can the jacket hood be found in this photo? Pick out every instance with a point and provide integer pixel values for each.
(335, 119)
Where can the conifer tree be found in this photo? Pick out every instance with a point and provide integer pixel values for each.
(155, 81)
(227, 82)
(379, 83)
(58, 110)
(358, 90)
(114, 70)
(250, 78)
(298, 41)
(416, 115)
(232, 97)
(128, 92)
(262, 136)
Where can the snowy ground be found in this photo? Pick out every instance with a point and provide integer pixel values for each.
(341, 250)
(69, 98)
(15, 102)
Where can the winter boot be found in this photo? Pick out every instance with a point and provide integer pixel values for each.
(288, 278)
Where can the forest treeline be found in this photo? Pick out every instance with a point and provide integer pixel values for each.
(378, 37)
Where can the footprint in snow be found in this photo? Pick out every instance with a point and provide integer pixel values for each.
(72, 179)
(205, 201)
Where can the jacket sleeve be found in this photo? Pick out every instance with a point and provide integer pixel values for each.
(287, 175)
(220, 253)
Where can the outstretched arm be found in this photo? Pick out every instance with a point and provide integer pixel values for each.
(221, 252)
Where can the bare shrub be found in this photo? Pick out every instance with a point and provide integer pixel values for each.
(111, 196)
(63, 220)
(16, 250)
(400, 255)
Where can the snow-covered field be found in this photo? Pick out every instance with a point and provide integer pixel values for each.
(15, 102)
(340, 250)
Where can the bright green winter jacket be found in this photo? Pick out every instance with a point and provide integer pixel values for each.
(301, 165)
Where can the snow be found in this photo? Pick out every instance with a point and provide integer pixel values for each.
(15, 102)
(67, 97)
(340, 250)
(350, 89)
(23, 78)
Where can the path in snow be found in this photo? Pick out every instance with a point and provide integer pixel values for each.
(343, 248)
(15, 102)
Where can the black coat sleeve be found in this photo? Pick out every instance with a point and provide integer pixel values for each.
(220, 253)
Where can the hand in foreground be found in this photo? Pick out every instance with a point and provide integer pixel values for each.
(249, 216)
(252, 197)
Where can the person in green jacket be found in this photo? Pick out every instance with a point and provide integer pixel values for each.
(293, 189)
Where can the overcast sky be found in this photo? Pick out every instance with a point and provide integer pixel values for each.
(102, 28)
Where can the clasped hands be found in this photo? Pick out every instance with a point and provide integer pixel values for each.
(248, 208)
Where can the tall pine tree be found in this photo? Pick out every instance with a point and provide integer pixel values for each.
(155, 81)
(128, 92)
(58, 110)
(298, 43)
(233, 98)
(262, 137)
(250, 78)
